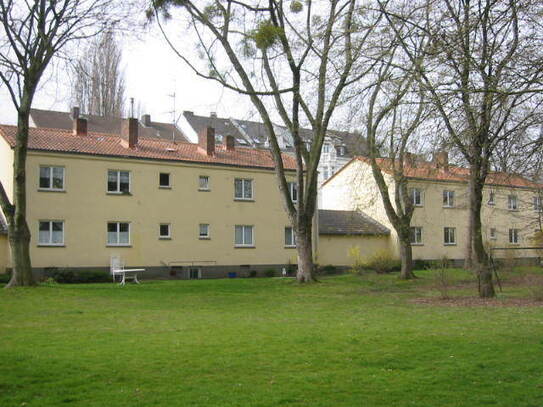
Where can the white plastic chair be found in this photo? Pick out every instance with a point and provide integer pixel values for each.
(117, 269)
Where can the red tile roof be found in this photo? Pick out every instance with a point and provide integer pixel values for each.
(101, 144)
(427, 170)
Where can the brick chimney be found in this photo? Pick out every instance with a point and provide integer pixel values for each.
(230, 143)
(74, 114)
(79, 127)
(441, 160)
(206, 141)
(146, 120)
(129, 132)
(409, 159)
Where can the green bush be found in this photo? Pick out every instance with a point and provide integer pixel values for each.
(4, 278)
(382, 262)
(269, 273)
(327, 270)
(77, 277)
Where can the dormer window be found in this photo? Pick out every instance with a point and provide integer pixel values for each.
(341, 151)
(326, 148)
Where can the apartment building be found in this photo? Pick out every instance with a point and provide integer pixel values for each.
(156, 203)
(511, 214)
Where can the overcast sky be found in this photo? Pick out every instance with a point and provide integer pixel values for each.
(152, 73)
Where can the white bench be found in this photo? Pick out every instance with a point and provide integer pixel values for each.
(117, 269)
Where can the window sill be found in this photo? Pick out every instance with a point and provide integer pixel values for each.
(514, 244)
(118, 245)
(164, 187)
(204, 190)
(51, 190)
(491, 204)
(513, 210)
(119, 193)
(51, 245)
(244, 199)
(204, 238)
(449, 207)
(290, 247)
(418, 206)
(244, 247)
(449, 244)
(164, 238)
(417, 244)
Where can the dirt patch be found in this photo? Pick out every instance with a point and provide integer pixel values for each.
(478, 302)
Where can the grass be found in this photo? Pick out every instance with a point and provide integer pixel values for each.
(348, 341)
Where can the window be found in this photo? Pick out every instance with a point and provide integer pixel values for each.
(118, 234)
(204, 231)
(512, 202)
(325, 173)
(493, 233)
(164, 180)
(243, 188)
(165, 231)
(448, 199)
(118, 182)
(449, 237)
(416, 197)
(293, 189)
(203, 183)
(538, 206)
(491, 197)
(513, 236)
(290, 237)
(52, 178)
(416, 235)
(326, 148)
(341, 151)
(244, 236)
(195, 273)
(51, 233)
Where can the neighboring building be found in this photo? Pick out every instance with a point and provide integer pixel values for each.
(153, 202)
(338, 148)
(109, 125)
(511, 205)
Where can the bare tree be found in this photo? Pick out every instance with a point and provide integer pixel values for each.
(33, 34)
(97, 79)
(292, 59)
(483, 74)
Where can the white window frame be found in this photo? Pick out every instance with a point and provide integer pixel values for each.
(200, 187)
(448, 198)
(446, 236)
(200, 235)
(50, 242)
(325, 173)
(421, 196)
(512, 202)
(164, 237)
(493, 234)
(169, 186)
(118, 191)
(341, 151)
(326, 148)
(538, 203)
(51, 169)
(118, 223)
(243, 189)
(514, 236)
(292, 242)
(415, 242)
(492, 198)
(244, 244)
(293, 188)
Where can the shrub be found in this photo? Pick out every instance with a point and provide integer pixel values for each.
(442, 280)
(269, 273)
(74, 277)
(535, 286)
(252, 274)
(358, 263)
(4, 278)
(327, 270)
(383, 262)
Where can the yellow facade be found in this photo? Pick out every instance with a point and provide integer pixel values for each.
(85, 207)
(354, 188)
(338, 250)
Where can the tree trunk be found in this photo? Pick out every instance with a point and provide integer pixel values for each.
(406, 256)
(305, 272)
(479, 256)
(18, 231)
(468, 264)
(19, 240)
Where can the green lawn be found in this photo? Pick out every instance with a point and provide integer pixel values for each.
(348, 341)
